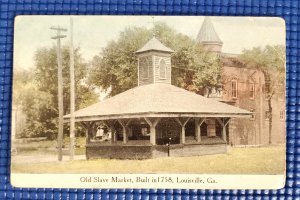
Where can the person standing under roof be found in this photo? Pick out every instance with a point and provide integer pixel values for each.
(99, 134)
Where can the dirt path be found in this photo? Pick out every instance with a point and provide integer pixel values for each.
(42, 158)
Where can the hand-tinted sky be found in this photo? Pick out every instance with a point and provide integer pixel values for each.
(91, 33)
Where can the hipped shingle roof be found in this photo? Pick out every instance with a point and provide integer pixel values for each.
(157, 100)
(154, 45)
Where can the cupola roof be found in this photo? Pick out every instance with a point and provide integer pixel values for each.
(154, 45)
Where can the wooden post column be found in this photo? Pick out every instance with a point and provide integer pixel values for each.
(182, 122)
(152, 122)
(88, 130)
(198, 123)
(124, 123)
(224, 122)
(110, 125)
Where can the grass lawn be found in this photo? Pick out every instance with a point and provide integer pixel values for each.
(48, 147)
(250, 160)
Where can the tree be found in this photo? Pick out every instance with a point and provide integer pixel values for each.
(22, 78)
(46, 77)
(115, 68)
(271, 62)
(207, 75)
(27, 98)
(39, 97)
(34, 105)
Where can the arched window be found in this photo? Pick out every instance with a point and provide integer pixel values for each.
(144, 67)
(234, 89)
(162, 69)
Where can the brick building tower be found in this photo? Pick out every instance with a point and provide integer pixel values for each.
(243, 87)
(209, 38)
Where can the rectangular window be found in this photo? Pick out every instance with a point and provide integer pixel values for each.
(282, 115)
(234, 89)
(252, 90)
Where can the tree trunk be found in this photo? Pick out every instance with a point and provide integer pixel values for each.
(270, 120)
(269, 96)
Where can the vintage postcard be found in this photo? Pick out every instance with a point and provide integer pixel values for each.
(149, 102)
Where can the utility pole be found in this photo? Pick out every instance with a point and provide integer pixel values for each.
(72, 92)
(57, 37)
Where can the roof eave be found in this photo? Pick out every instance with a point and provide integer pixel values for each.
(157, 114)
(212, 42)
(145, 51)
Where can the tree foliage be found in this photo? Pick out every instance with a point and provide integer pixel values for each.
(22, 78)
(115, 68)
(39, 98)
(271, 62)
(208, 72)
(30, 100)
(46, 77)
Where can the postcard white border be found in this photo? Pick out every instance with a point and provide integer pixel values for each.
(189, 181)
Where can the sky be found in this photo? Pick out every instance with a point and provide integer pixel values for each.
(92, 33)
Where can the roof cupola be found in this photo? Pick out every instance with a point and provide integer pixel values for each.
(154, 63)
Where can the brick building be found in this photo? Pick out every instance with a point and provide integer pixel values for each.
(243, 87)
